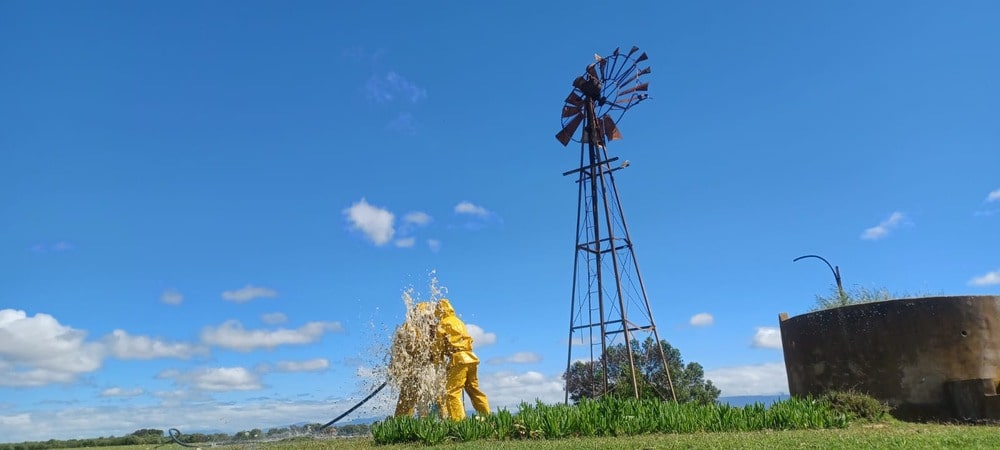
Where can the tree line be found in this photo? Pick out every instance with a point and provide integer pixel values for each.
(156, 436)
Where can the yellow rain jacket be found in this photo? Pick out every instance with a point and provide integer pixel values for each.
(463, 364)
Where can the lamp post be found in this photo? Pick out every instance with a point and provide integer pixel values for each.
(834, 269)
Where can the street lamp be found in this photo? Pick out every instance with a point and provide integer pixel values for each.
(834, 269)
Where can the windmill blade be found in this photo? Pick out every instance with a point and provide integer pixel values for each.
(636, 76)
(569, 130)
(640, 87)
(615, 53)
(569, 110)
(641, 57)
(574, 99)
(610, 129)
(630, 52)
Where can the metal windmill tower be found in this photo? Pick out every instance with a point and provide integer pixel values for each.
(609, 305)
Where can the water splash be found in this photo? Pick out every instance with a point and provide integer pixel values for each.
(416, 366)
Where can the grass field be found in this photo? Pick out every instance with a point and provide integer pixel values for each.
(893, 435)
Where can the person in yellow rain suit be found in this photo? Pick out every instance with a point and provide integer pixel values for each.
(416, 350)
(463, 365)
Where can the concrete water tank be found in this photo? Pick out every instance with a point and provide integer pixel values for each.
(928, 358)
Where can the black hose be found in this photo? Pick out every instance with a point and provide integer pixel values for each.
(362, 402)
(175, 434)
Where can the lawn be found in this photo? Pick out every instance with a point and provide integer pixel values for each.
(892, 435)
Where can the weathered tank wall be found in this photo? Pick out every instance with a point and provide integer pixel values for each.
(903, 352)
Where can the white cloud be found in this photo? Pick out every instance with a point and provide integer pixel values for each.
(993, 196)
(509, 389)
(406, 242)
(38, 350)
(75, 422)
(417, 218)
(518, 358)
(274, 318)
(119, 392)
(480, 336)
(767, 337)
(216, 379)
(231, 335)
(989, 279)
(761, 379)
(702, 320)
(249, 292)
(171, 297)
(374, 222)
(469, 208)
(309, 365)
(124, 346)
(434, 245)
(882, 229)
(391, 86)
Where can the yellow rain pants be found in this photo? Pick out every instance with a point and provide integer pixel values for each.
(463, 365)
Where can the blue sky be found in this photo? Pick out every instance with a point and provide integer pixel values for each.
(209, 210)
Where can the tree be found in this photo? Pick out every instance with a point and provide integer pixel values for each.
(585, 379)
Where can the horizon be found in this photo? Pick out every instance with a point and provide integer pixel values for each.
(211, 211)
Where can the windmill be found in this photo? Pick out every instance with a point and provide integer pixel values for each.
(609, 304)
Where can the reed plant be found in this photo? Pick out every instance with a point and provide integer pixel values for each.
(611, 417)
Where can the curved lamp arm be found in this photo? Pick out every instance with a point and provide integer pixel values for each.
(834, 269)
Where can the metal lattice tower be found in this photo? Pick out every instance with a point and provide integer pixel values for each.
(609, 305)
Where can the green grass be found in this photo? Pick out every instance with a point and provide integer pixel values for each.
(891, 435)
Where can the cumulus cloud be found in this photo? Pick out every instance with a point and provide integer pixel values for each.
(216, 379)
(38, 350)
(406, 242)
(509, 389)
(417, 218)
(434, 245)
(274, 318)
(989, 279)
(249, 292)
(480, 336)
(119, 392)
(767, 337)
(374, 222)
(231, 335)
(702, 320)
(74, 422)
(124, 346)
(993, 196)
(472, 209)
(761, 379)
(518, 358)
(883, 228)
(309, 365)
(171, 297)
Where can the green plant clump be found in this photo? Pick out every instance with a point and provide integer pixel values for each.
(857, 405)
(610, 417)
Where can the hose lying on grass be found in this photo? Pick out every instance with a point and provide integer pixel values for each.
(175, 434)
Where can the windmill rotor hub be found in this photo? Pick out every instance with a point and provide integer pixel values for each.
(608, 87)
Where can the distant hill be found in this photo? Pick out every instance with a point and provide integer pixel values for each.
(743, 400)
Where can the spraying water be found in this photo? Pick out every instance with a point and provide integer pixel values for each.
(416, 363)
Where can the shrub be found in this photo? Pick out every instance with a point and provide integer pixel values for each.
(856, 405)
